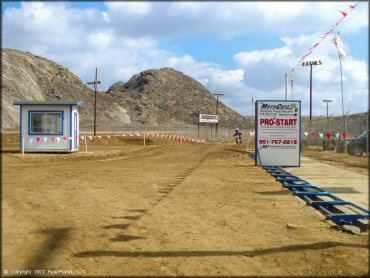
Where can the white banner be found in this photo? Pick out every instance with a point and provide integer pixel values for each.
(203, 118)
(278, 131)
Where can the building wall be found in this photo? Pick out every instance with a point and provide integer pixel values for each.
(49, 145)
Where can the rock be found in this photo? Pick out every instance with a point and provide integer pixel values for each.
(291, 226)
(351, 229)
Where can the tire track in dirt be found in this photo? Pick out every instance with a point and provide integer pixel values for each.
(168, 186)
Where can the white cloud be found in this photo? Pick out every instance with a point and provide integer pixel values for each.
(126, 39)
(129, 8)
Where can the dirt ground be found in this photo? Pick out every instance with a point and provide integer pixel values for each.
(166, 209)
(342, 160)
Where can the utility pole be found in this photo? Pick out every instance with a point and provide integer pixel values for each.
(286, 86)
(217, 96)
(327, 101)
(252, 105)
(291, 85)
(311, 63)
(95, 83)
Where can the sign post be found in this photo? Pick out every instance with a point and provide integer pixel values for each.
(278, 133)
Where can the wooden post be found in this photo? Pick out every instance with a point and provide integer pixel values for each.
(248, 141)
(86, 143)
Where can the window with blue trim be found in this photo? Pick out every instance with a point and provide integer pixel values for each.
(46, 123)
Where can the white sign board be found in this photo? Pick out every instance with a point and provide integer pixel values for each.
(203, 118)
(278, 133)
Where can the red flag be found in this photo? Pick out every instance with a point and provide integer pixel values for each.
(64, 138)
(313, 134)
(329, 135)
(52, 139)
(112, 136)
(344, 135)
(352, 7)
(343, 13)
(38, 139)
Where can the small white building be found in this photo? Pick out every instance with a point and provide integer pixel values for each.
(49, 126)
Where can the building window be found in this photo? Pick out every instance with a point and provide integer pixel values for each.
(46, 123)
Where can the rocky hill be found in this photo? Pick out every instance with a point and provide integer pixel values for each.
(150, 98)
(166, 95)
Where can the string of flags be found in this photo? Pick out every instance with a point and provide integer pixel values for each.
(328, 134)
(323, 36)
(59, 139)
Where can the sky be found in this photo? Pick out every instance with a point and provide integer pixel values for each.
(240, 49)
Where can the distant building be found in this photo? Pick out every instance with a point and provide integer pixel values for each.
(49, 126)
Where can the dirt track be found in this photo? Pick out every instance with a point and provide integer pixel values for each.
(174, 209)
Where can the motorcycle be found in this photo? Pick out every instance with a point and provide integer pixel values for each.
(238, 139)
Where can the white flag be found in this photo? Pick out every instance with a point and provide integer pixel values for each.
(90, 137)
(45, 139)
(82, 138)
(58, 139)
(306, 133)
(321, 135)
(337, 135)
(31, 140)
(339, 44)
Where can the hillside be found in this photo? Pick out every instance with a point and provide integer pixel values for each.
(167, 95)
(150, 98)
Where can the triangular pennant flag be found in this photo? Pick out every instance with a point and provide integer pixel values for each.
(343, 13)
(99, 136)
(321, 135)
(52, 139)
(90, 137)
(58, 139)
(108, 136)
(31, 140)
(313, 134)
(329, 135)
(112, 136)
(305, 133)
(82, 137)
(38, 139)
(337, 135)
(344, 135)
(64, 138)
(45, 139)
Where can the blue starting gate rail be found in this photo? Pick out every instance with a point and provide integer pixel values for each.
(334, 208)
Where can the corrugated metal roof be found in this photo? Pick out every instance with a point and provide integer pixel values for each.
(49, 102)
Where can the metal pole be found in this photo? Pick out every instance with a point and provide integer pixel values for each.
(317, 130)
(286, 86)
(341, 86)
(198, 123)
(96, 89)
(309, 141)
(291, 85)
(217, 114)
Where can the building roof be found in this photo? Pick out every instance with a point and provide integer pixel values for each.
(50, 102)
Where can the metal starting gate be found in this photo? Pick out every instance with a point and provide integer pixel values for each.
(334, 208)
